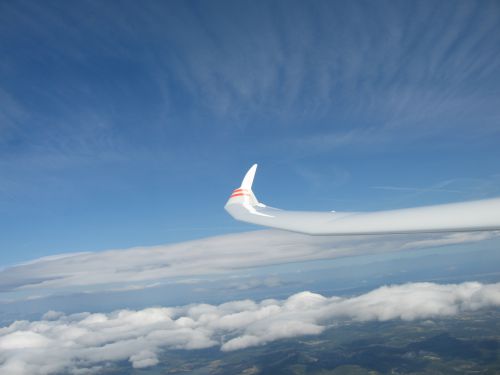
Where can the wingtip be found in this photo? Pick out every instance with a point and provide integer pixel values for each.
(244, 194)
(249, 177)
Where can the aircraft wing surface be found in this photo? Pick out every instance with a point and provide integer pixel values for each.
(480, 215)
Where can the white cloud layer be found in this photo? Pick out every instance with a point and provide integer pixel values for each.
(142, 267)
(86, 342)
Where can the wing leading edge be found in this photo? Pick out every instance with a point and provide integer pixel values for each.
(481, 215)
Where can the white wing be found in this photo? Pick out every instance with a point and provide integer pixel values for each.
(454, 217)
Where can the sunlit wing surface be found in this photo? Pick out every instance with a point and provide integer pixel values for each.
(478, 215)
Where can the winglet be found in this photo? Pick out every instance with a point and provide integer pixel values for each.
(244, 194)
(248, 179)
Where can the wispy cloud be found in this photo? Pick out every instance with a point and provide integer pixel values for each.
(460, 188)
(286, 63)
(11, 114)
(415, 189)
(84, 341)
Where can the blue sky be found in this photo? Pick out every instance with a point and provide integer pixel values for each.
(126, 124)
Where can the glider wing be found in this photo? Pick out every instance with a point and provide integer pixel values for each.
(481, 215)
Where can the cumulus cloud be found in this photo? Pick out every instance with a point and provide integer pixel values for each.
(87, 342)
(144, 267)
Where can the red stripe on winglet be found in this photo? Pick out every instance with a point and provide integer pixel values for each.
(237, 190)
(239, 195)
